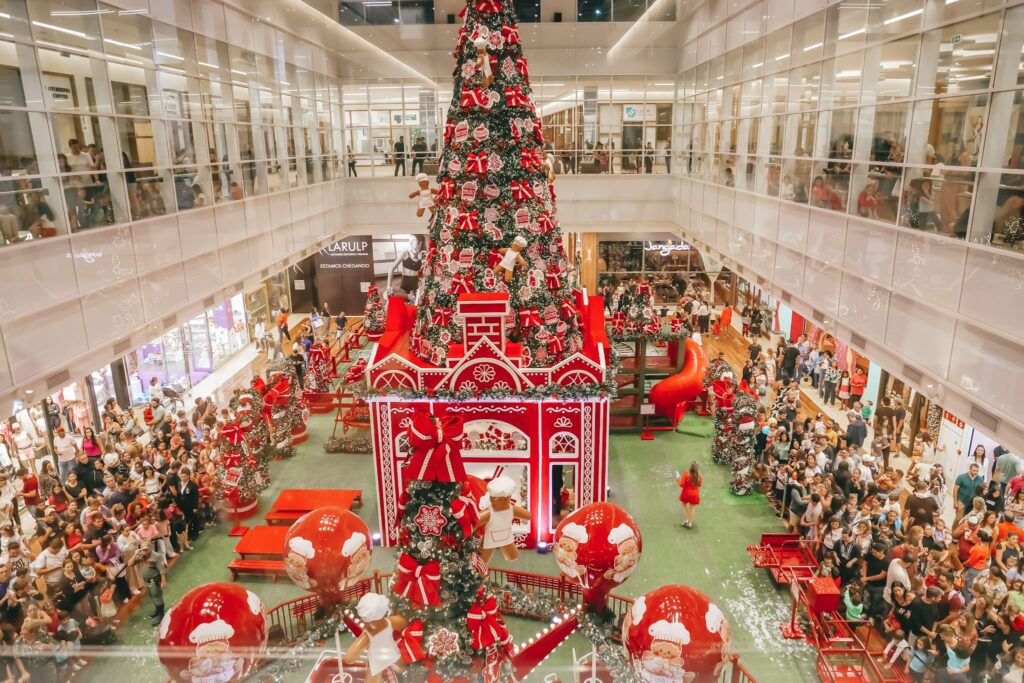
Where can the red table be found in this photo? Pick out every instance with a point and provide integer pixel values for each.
(304, 500)
(262, 541)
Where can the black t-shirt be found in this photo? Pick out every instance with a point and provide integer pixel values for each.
(789, 357)
(921, 510)
(755, 351)
(922, 615)
(876, 565)
(883, 416)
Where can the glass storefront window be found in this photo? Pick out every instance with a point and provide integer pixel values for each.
(239, 332)
(198, 349)
(174, 359)
(145, 363)
(219, 320)
(257, 309)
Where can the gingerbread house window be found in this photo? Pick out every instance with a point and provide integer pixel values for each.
(402, 444)
(490, 436)
(394, 379)
(563, 444)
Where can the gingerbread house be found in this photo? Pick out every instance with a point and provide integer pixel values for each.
(555, 447)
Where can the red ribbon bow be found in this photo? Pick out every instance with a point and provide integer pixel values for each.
(468, 221)
(443, 316)
(521, 190)
(259, 385)
(474, 97)
(544, 222)
(485, 624)
(643, 288)
(509, 33)
(462, 283)
(529, 317)
(436, 454)
(568, 308)
(449, 129)
(515, 97)
(410, 643)
(522, 68)
(553, 277)
(723, 392)
(355, 371)
(446, 189)
(476, 162)
(233, 433)
(420, 583)
(557, 343)
(531, 157)
(488, 6)
(653, 327)
(317, 354)
(466, 515)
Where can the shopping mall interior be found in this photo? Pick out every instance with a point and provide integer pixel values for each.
(738, 282)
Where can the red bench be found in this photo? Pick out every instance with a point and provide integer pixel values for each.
(271, 568)
(286, 518)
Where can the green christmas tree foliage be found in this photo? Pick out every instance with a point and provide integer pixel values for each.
(635, 317)
(494, 187)
(429, 532)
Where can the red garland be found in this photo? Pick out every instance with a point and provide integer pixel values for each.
(420, 584)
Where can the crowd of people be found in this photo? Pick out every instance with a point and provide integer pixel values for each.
(927, 557)
(100, 519)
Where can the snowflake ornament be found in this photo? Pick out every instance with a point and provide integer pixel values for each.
(484, 373)
(468, 69)
(430, 520)
(443, 643)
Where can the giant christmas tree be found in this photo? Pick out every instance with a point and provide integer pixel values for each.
(495, 227)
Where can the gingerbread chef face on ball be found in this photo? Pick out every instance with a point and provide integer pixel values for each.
(300, 552)
(213, 661)
(627, 555)
(675, 634)
(358, 552)
(565, 550)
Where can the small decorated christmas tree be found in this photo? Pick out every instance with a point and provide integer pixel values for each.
(635, 317)
(238, 469)
(251, 415)
(440, 579)
(286, 411)
(741, 443)
(374, 314)
(721, 387)
(318, 377)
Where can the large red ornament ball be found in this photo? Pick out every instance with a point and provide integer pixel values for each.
(216, 632)
(598, 544)
(326, 551)
(675, 633)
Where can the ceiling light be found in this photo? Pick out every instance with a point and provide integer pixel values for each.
(851, 34)
(781, 57)
(208, 65)
(168, 55)
(969, 78)
(78, 13)
(758, 65)
(813, 47)
(912, 13)
(973, 53)
(60, 29)
(4, 15)
(120, 44)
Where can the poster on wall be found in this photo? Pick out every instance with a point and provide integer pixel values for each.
(59, 92)
(343, 270)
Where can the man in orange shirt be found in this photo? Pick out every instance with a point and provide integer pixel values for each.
(977, 559)
(857, 384)
(1008, 526)
(282, 325)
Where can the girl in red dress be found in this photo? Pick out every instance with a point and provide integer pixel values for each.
(690, 482)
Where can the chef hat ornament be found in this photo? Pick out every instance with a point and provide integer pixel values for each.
(254, 602)
(373, 607)
(638, 609)
(501, 487)
(714, 619)
(301, 546)
(670, 631)
(620, 534)
(521, 241)
(575, 531)
(210, 631)
(353, 544)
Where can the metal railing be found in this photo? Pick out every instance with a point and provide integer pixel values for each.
(290, 620)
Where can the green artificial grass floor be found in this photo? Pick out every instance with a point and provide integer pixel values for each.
(711, 557)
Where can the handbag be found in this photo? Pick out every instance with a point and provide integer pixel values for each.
(108, 609)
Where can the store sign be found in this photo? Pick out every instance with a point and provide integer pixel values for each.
(58, 90)
(639, 112)
(953, 418)
(341, 271)
(666, 249)
(409, 118)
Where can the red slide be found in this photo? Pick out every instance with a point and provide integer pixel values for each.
(671, 394)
